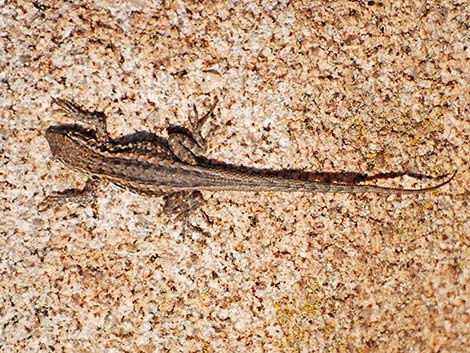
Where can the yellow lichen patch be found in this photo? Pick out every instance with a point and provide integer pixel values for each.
(428, 205)
(359, 127)
(309, 308)
(328, 329)
(296, 314)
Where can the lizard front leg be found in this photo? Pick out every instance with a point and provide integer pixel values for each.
(97, 120)
(87, 195)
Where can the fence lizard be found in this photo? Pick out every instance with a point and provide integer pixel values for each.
(174, 167)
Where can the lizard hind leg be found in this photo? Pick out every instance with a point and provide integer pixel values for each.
(197, 123)
(189, 146)
(182, 203)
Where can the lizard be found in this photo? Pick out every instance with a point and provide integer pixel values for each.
(174, 168)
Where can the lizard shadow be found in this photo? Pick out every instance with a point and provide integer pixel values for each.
(150, 139)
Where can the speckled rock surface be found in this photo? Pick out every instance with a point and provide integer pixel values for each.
(365, 87)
